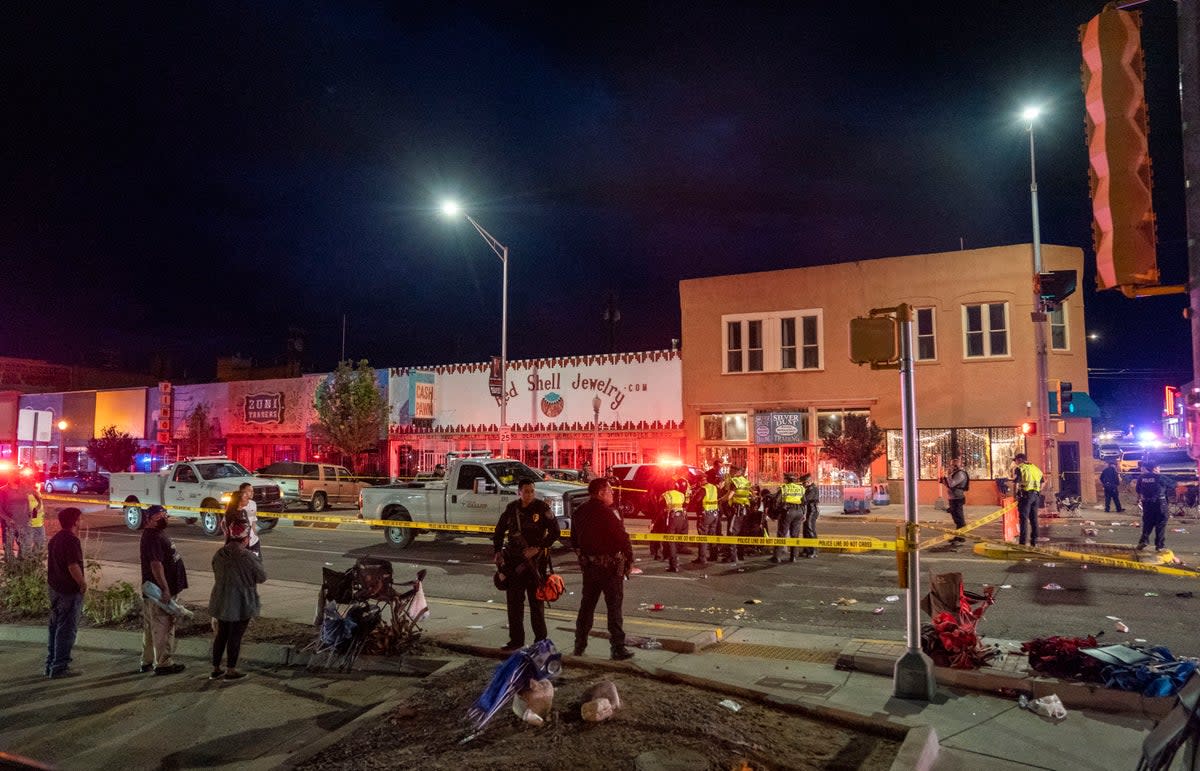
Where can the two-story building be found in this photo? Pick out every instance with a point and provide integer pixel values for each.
(767, 372)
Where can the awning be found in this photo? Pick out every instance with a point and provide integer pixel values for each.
(1082, 405)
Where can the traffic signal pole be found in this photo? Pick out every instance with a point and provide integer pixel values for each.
(1045, 436)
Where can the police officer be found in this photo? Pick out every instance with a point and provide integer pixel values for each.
(1028, 481)
(705, 502)
(676, 520)
(790, 521)
(812, 510)
(737, 493)
(605, 559)
(1152, 490)
(522, 540)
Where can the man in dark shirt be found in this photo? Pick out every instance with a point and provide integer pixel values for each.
(1153, 490)
(64, 573)
(605, 558)
(1110, 480)
(162, 568)
(522, 539)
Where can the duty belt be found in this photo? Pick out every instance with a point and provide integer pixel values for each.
(602, 560)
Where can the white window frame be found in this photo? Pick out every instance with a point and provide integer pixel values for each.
(772, 341)
(1066, 328)
(985, 318)
(932, 333)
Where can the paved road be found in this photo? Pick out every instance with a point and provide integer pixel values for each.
(796, 596)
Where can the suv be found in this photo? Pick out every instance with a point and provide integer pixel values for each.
(1176, 464)
(320, 485)
(638, 485)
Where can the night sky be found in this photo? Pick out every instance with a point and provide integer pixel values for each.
(191, 181)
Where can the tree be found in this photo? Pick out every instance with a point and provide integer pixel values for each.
(855, 444)
(113, 450)
(352, 412)
(200, 433)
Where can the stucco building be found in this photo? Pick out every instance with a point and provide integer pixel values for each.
(766, 367)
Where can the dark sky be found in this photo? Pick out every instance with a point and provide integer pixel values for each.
(192, 179)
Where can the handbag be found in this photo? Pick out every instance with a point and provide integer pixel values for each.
(551, 587)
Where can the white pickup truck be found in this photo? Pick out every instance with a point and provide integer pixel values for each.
(194, 483)
(474, 492)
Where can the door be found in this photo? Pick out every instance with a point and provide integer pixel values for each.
(467, 507)
(1068, 464)
(346, 492)
(183, 488)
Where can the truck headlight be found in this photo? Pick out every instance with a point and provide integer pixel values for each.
(226, 498)
(556, 507)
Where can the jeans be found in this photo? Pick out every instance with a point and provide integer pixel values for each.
(228, 640)
(956, 513)
(737, 520)
(65, 610)
(1111, 495)
(791, 522)
(677, 524)
(608, 580)
(1154, 518)
(158, 634)
(19, 540)
(706, 524)
(1027, 509)
(516, 597)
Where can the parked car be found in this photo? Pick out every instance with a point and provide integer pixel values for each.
(319, 485)
(639, 484)
(1109, 452)
(76, 482)
(1176, 464)
(1130, 462)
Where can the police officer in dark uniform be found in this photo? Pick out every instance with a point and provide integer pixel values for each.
(522, 540)
(605, 559)
(791, 494)
(1152, 490)
(812, 510)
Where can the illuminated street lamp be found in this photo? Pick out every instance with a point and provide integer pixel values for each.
(453, 210)
(1030, 115)
(596, 402)
(62, 426)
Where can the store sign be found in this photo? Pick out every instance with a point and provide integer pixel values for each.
(166, 408)
(422, 400)
(495, 377)
(780, 427)
(264, 408)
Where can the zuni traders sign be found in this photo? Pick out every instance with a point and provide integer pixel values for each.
(264, 408)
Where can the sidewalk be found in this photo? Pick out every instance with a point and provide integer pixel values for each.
(970, 728)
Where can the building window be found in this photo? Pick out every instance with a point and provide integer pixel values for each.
(986, 453)
(787, 341)
(926, 340)
(724, 427)
(985, 330)
(1058, 329)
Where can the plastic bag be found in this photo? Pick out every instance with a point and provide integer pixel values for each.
(1048, 706)
(604, 690)
(596, 710)
(533, 704)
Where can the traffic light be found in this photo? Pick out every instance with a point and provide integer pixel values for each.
(1114, 94)
(1056, 286)
(1065, 396)
(1029, 428)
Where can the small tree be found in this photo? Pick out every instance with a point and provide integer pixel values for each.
(855, 444)
(113, 449)
(352, 412)
(200, 433)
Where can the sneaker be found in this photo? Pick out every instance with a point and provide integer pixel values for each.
(231, 675)
(144, 668)
(774, 560)
(1141, 547)
(170, 669)
(672, 569)
(1160, 550)
(216, 674)
(579, 650)
(622, 654)
(65, 673)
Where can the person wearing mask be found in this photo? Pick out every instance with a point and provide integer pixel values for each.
(163, 567)
(64, 573)
(791, 520)
(237, 572)
(605, 559)
(1152, 490)
(1027, 481)
(956, 484)
(1110, 480)
(522, 539)
(675, 521)
(705, 502)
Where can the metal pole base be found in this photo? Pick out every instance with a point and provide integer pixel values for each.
(913, 678)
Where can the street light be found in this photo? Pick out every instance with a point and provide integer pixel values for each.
(596, 402)
(62, 426)
(1030, 115)
(453, 209)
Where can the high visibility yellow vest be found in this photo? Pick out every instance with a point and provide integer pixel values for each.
(793, 493)
(1031, 477)
(741, 490)
(37, 512)
(710, 497)
(673, 499)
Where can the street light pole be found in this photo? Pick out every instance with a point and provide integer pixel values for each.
(596, 402)
(1039, 315)
(62, 427)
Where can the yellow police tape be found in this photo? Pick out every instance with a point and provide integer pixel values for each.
(948, 534)
(1012, 551)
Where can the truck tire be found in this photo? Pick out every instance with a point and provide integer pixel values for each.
(210, 523)
(133, 515)
(318, 502)
(266, 524)
(398, 537)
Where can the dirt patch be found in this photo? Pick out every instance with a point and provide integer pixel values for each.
(427, 731)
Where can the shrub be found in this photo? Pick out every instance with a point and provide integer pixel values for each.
(23, 588)
(111, 605)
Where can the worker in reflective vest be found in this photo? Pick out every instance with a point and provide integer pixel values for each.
(738, 495)
(792, 518)
(673, 500)
(705, 503)
(1028, 481)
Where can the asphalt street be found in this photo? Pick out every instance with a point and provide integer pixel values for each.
(801, 596)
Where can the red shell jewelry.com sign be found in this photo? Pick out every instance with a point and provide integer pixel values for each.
(262, 408)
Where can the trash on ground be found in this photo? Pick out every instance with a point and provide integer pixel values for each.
(604, 690)
(454, 562)
(475, 626)
(754, 602)
(1150, 594)
(1113, 618)
(1048, 706)
(1049, 564)
(845, 601)
(491, 600)
(540, 661)
(730, 705)
(877, 611)
(1005, 586)
(1185, 595)
(651, 645)
(657, 606)
(1052, 587)
(533, 704)
(635, 571)
(596, 710)
(1178, 530)
(1121, 627)
(892, 598)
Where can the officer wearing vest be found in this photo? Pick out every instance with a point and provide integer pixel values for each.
(673, 500)
(705, 503)
(791, 520)
(1152, 490)
(738, 495)
(1028, 481)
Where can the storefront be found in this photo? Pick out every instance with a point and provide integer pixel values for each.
(270, 421)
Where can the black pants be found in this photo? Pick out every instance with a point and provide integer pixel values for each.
(1111, 494)
(737, 520)
(608, 580)
(706, 524)
(228, 640)
(791, 522)
(677, 524)
(1154, 518)
(812, 511)
(658, 524)
(1027, 510)
(516, 595)
(956, 513)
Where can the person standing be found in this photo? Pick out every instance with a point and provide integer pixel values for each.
(522, 540)
(791, 520)
(1152, 490)
(605, 559)
(163, 567)
(812, 510)
(956, 484)
(237, 572)
(705, 502)
(737, 493)
(243, 508)
(37, 518)
(1110, 480)
(585, 472)
(64, 574)
(676, 521)
(1028, 481)
(15, 511)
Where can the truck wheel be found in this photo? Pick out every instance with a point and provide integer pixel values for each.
(399, 537)
(266, 524)
(318, 502)
(210, 523)
(133, 515)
